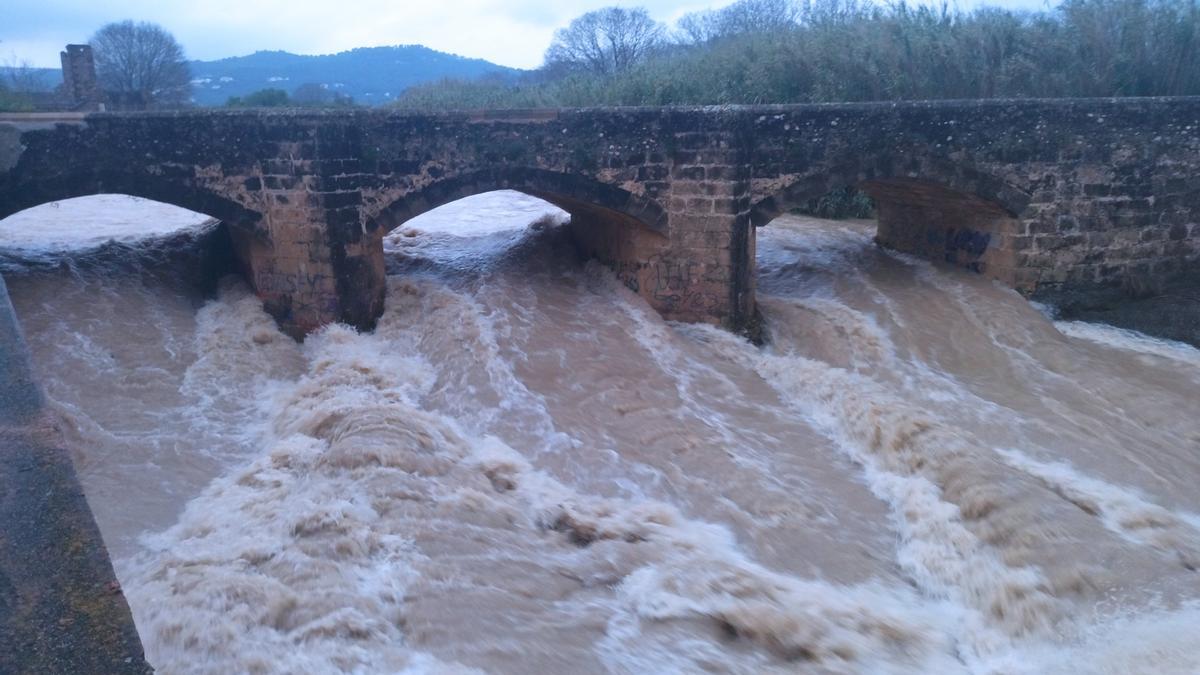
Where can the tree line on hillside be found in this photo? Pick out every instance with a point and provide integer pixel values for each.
(311, 95)
(795, 51)
(755, 51)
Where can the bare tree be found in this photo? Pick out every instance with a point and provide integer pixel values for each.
(142, 59)
(743, 16)
(18, 79)
(20, 75)
(606, 41)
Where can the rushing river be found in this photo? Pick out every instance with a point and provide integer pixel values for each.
(525, 469)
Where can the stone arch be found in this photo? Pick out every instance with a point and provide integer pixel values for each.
(927, 206)
(575, 194)
(625, 231)
(30, 193)
(892, 177)
(238, 242)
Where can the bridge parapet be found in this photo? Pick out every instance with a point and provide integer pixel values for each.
(1051, 197)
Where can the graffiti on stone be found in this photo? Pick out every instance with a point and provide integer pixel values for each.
(280, 282)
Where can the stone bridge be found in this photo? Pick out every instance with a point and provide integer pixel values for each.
(1064, 197)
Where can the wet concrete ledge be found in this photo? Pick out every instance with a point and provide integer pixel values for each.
(61, 609)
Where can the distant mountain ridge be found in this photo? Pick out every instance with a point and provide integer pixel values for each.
(371, 75)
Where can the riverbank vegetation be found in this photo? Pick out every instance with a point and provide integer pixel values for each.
(310, 95)
(791, 51)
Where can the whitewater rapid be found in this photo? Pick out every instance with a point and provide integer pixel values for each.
(525, 469)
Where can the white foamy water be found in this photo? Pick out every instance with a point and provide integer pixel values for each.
(88, 222)
(485, 214)
(524, 469)
(1131, 341)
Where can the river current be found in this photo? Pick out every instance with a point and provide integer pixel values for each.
(525, 469)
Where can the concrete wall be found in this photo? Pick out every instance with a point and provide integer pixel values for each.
(61, 609)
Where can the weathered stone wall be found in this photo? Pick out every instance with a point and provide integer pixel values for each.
(79, 77)
(935, 223)
(1105, 193)
(298, 242)
(1055, 198)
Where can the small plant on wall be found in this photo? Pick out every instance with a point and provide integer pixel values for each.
(839, 204)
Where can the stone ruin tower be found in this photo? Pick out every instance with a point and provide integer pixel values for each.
(79, 78)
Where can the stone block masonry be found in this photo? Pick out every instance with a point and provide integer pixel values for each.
(79, 78)
(1066, 198)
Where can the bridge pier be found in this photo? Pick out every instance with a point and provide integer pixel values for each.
(308, 276)
(310, 257)
(702, 273)
(701, 270)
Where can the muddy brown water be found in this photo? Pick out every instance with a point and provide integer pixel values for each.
(525, 469)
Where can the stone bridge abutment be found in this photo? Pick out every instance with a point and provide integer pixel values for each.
(1055, 198)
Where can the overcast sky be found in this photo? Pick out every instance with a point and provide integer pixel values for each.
(509, 32)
